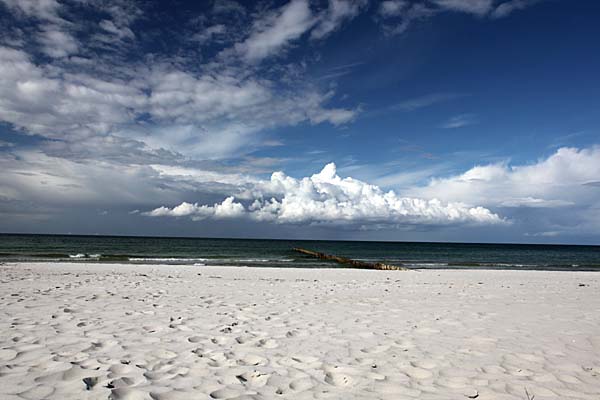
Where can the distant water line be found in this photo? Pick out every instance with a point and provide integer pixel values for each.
(278, 253)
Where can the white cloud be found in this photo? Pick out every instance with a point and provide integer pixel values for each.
(505, 9)
(209, 33)
(198, 176)
(121, 32)
(544, 234)
(32, 177)
(339, 11)
(209, 115)
(426, 101)
(53, 34)
(560, 180)
(477, 7)
(56, 42)
(535, 202)
(276, 30)
(207, 110)
(227, 209)
(399, 15)
(336, 116)
(459, 121)
(80, 178)
(406, 14)
(40, 101)
(228, 6)
(41, 9)
(392, 8)
(326, 198)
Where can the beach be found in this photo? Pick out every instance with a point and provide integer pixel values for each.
(123, 331)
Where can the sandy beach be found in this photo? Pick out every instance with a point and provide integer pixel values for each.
(90, 331)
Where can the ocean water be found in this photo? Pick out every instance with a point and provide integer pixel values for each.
(278, 253)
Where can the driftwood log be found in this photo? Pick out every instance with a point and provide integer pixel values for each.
(348, 261)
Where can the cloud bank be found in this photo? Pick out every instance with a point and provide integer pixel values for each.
(554, 196)
(326, 198)
(56, 85)
(560, 193)
(561, 179)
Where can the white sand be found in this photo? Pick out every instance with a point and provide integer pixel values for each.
(165, 332)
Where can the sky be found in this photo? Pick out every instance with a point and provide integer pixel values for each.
(426, 120)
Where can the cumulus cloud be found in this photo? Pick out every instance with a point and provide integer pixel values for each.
(558, 181)
(326, 198)
(562, 176)
(499, 194)
(226, 209)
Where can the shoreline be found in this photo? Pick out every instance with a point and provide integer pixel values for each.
(99, 331)
(406, 267)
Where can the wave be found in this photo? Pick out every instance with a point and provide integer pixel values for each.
(82, 255)
(272, 261)
(166, 259)
(253, 260)
(424, 264)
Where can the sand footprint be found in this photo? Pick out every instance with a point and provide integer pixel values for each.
(252, 360)
(225, 393)
(7, 354)
(338, 379)
(164, 354)
(301, 385)
(128, 394)
(254, 378)
(376, 349)
(195, 339)
(417, 373)
(172, 395)
(121, 382)
(455, 382)
(267, 343)
(425, 364)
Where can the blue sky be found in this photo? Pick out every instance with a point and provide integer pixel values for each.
(461, 120)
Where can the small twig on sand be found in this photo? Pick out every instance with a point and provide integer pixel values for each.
(529, 397)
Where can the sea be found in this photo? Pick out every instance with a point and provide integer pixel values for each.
(279, 253)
